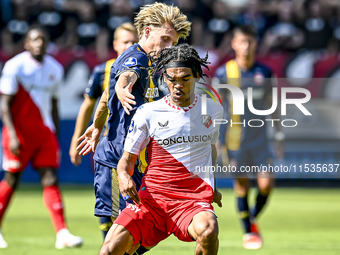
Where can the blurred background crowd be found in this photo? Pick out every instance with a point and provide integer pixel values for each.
(78, 25)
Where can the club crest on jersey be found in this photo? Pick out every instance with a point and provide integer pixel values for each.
(131, 61)
(163, 126)
(206, 120)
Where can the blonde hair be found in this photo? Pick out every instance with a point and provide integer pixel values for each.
(125, 26)
(157, 14)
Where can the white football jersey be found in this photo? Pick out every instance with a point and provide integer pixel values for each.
(178, 142)
(23, 74)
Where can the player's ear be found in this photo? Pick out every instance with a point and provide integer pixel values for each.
(114, 43)
(197, 77)
(147, 31)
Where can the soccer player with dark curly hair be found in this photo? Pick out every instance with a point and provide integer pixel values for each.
(175, 197)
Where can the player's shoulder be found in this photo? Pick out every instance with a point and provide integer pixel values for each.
(53, 63)
(17, 60)
(100, 68)
(133, 56)
(150, 108)
(221, 71)
(214, 106)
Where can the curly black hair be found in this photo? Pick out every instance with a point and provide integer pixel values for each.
(181, 52)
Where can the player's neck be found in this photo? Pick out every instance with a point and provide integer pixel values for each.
(38, 58)
(183, 104)
(143, 45)
(245, 63)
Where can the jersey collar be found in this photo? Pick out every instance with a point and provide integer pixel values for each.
(185, 109)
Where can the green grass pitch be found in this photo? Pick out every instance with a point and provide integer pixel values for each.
(297, 221)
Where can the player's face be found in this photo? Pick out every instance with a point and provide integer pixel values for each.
(36, 44)
(244, 45)
(124, 40)
(160, 38)
(181, 84)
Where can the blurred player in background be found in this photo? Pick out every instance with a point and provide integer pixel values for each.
(159, 26)
(248, 146)
(174, 198)
(124, 36)
(29, 93)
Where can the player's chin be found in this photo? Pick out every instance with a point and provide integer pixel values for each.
(178, 97)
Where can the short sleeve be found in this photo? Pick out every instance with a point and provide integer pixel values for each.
(136, 63)
(138, 134)
(8, 82)
(94, 86)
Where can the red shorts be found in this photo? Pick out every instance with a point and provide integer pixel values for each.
(41, 155)
(154, 220)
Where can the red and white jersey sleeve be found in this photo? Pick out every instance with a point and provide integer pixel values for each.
(33, 85)
(178, 142)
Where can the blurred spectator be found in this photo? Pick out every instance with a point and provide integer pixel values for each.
(316, 27)
(53, 20)
(69, 39)
(199, 14)
(335, 25)
(253, 15)
(120, 12)
(88, 28)
(12, 36)
(220, 28)
(284, 35)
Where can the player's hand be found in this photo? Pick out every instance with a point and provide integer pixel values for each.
(89, 140)
(76, 159)
(127, 187)
(125, 97)
(14, 145)
(217, 198)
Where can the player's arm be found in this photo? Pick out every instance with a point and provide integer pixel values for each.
(125, 170)
(123, 89)
(7, 120)
(217, 195)
(83, 118)
(55, 115)
(8, 89)
(91, 136)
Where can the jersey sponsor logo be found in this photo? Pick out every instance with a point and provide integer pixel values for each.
(163, 126)
(152, 93)
(131, 61)
(206, 120)
(132, 126)
(133, 208)
(185, 139)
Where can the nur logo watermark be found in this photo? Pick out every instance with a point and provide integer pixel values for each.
(240, 98)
